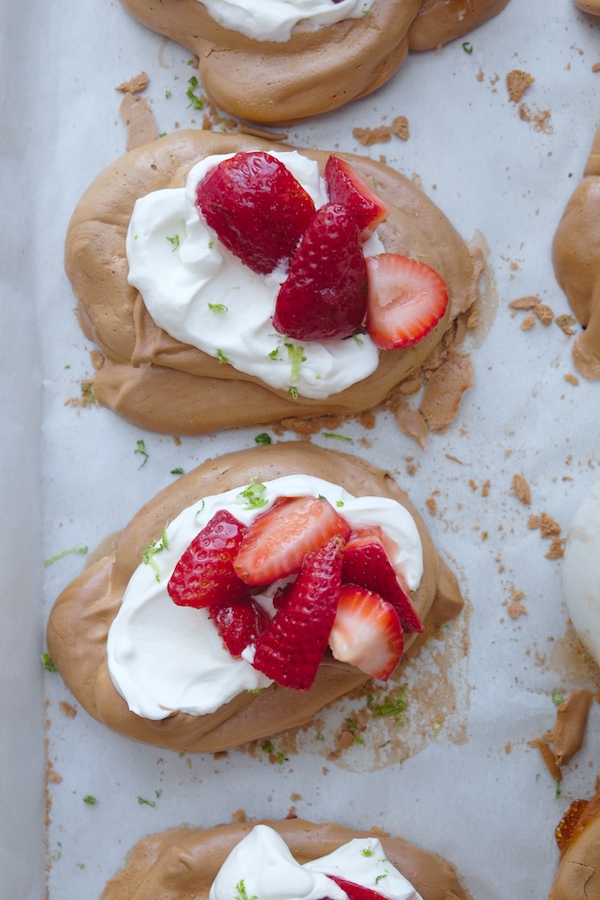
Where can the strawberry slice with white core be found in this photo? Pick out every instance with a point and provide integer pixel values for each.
(257, 208)
(324, 296)
(366, 632)
(367, 564)
(345, 186)
(356, 891)
(279, 538)
(204, 576)
(405, 300)
(292, 647)
(239, 624)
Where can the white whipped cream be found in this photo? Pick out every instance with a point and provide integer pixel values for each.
(201, 294)
(273, 20)
(581, 571)
(263, 864)
(163, 657)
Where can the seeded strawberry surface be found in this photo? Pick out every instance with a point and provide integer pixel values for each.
(356, 891)
(257, 208)
(367, 564)
(239, 624)
(204, 576)
(292, 647)
(345, 186)
(324, 295)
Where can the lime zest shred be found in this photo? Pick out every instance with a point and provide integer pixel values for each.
(51, 559)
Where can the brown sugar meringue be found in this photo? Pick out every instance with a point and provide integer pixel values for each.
(183, 862)
(576, 259)
(578, 839)
(279, 82)
(162, 384)
(589, 6)
(83, 615)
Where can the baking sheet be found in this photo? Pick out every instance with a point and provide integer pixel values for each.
(470, 788)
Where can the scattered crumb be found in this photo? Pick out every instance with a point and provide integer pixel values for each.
(557, 549)
(400, 128)
(431, 504)
(544, 314)
(411, 422)
(517, 83)
(485, 490)
(540, 119)
(239, 817)
(521, 489)
(572, 379)
(549, 526)
(135, 85)
(220, 754)
(507, 747)
(528, 323)
(565, 323)
(295, 797)
(67, 709)
(596, 67)
(516, 609)
(368, 136)
(529, 302)
(567, 735)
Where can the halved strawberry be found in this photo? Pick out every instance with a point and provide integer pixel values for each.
(356, 891)
(204, 576)
(278, 539)
(257, 208)
(405, 300)
(292, 647)
(345, 186)
(239, 624)
(324, 295)
(366, 632)
(367, 564)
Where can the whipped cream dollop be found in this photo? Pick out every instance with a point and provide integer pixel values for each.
(164, 658)
(581, 571)
(273, 20)
(197, 291)
(263, 865)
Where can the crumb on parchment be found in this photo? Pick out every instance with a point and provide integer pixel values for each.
(521, 489)
(135, 85)
(517, 83)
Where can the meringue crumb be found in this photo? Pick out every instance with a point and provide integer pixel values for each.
(529, 302)
(517, 83)
(67, 709)
(528, 323)
(400, 128)
(572, 379)
(368, 136)
(544, 314)
(239, 817)
(516, 609)
(135, 85)
(521, 489)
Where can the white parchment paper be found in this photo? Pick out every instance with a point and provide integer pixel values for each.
(475, 791)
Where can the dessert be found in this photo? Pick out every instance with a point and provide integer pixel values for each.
(214, 862)
(576, 258)
(581, 578)
(589, 6)
(578, 839)
(285, 61)
(176, 359)
(127, 627)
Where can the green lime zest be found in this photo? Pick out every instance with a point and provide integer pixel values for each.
(51, 559)
(253, 494)
(149, 552)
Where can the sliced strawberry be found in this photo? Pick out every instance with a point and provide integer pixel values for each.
(257, 208)
(204, 576)
(356, 891)
(278, 539)
(324, 295)
(367, 564)
(366, 632)
(345, 186)
(239, 624)
(405, 300)
(291, 649)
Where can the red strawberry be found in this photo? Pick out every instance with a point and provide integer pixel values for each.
(239, 624)
(366, 632)
(355, 891)
(345, 186)
(278, 539)
(257, 208)
(291, 649)
(367, 564)
(405, 300)
(204, 576)
(324, 295)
